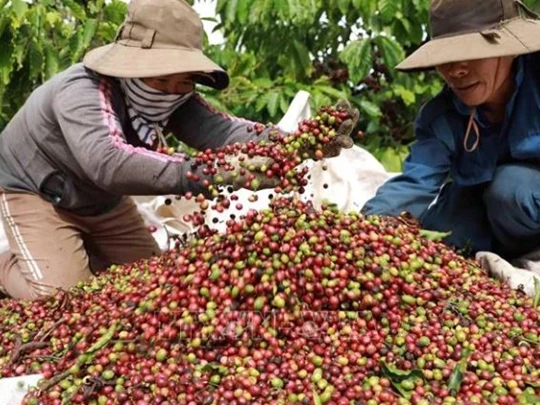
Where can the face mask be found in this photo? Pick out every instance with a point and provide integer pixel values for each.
(149, 108)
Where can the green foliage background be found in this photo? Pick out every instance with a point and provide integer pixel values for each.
(273, 48)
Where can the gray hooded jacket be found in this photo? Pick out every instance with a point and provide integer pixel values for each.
(72, 143)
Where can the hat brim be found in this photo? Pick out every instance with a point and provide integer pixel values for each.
(515, 37)
(126, 61)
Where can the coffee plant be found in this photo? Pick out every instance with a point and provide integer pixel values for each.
(41, 38)
(333, 48)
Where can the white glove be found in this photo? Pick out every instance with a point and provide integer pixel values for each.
(518, 278)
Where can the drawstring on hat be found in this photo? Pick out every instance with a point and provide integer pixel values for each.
(473, 125)
(470, 126)
(162, 140)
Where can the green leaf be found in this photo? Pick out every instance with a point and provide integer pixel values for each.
(454, 382)
(89, 355)
(52, 65)
(263, 82)
(19, 7)
(434, 236)
(262, 102)
(388, 9)
(104, 339)
(115, 12)
(82, 39)
(95, 6)
(343, 6)
(536, 300)
(241, 66)
(358, 56)
(294, 9)
(35, 61)
(210, 19)
(215, 368)
(319, 98)
(75, 45)
(316, 398)
(6, 64)
(392, 52)
(408, 97)
(397, 377)
(391, 160)
(221, 6)
(273, 103)
(231, 9)
(405, 24)
(332, 92)
(4, 23)
(528, 398)
(534, 384)
(20, 48)
(367, 8)
(456, 378)
(243, 8)
(370, 108)
(302, 61)
(106, 32)
(53, 18)
(76, 9)
(283, 105)
(90, 27)
(282, 8)
(416, 34)
(250, 97)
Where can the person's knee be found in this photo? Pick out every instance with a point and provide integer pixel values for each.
(20, 284)
(39, 292)
(513, 193)
(31, 292)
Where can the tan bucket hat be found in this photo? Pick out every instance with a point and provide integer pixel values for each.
(158, 38)
(476, 29)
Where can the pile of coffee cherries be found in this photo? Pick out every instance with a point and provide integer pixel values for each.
(291, 305)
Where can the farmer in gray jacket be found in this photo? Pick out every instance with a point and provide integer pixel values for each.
(92, 135)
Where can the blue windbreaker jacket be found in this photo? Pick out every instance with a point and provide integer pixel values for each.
(439, 154)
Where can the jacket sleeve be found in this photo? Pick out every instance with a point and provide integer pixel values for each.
(200, 126)
(425, 170)
(94, 135)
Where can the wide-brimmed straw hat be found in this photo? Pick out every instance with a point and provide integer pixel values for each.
(476, 29)
(158, 38)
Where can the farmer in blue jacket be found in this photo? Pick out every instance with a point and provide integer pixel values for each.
(475, 168)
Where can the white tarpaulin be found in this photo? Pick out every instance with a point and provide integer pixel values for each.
(3, 239)
(13, 390)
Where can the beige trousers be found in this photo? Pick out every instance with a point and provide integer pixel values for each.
(54, 249)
